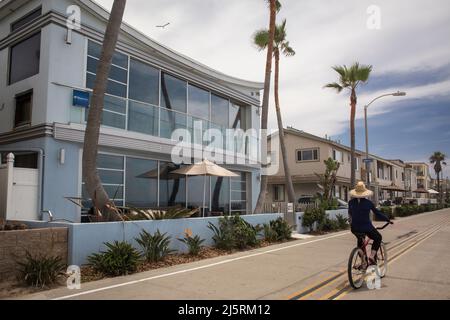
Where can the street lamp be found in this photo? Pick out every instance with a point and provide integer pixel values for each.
(367, 160)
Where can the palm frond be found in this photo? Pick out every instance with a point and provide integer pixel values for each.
(287, 50)
(261, 39)
(335, 86)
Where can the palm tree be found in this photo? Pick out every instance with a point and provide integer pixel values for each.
(274, 6)
(351, 78)
(280, 46)
(91, 178)
(438, 159)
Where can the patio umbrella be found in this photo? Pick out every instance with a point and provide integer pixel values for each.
(432, 191)
(205, 168)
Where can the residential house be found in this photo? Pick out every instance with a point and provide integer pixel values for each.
(49, 72)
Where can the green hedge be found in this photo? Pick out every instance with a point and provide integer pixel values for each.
(409, 210)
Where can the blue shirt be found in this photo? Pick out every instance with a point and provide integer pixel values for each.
(359, 211)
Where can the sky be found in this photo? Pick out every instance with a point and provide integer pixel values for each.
(410, 51)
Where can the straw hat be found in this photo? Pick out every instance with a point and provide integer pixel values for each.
(360, 191)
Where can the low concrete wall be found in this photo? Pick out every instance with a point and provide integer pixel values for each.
(88, 238)
(331, 214)
(15, 243)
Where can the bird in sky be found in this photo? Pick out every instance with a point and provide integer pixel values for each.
(163, 26)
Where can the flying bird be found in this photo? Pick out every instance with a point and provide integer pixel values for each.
(163, 26)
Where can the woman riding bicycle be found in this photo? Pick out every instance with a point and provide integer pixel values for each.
(359, 215)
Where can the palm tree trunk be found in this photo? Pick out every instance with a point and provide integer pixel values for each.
(265, 105)
(353, 101)
(90, 149)
(287, 171)
(438, 187)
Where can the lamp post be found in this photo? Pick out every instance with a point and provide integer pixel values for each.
(367, 161)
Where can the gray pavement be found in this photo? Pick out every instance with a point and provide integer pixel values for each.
(312, 268)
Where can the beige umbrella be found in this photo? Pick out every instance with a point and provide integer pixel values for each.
(205, 168)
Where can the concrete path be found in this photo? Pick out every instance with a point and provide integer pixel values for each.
(313, 268)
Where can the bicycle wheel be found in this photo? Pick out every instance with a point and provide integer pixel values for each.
(356, 268)
(382, 260)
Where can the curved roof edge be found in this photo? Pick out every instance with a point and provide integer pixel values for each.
(189, 62)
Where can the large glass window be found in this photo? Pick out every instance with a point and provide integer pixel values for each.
(173, 93)
(25, 58)
(198, 102)
(141, 183)
(22, 115)
(196, 186)
(237, 117)
(117, 78)
(220, 111)
(171, 121)
(114, 112)
(143, 118)
(197, 128)
(238, 192)
(172, 188)
(144, 82)
(111, 171)
(220, 196)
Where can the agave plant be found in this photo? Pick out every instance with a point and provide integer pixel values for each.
(154, 246)
(151, 214)
(40, 270)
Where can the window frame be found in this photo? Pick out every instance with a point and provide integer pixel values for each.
(10, 58)
(307, 149)
(11, 25)
(17, 97)
(275, 193)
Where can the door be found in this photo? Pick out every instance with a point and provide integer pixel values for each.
(24, 195)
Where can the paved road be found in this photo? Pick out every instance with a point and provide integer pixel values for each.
(312, 268)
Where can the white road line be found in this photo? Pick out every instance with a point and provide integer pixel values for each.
(196, 268)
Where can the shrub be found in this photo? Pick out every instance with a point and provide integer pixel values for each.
(388, 212)
(194, 244)
(270, 235)
(234, 232)
(328, 224)
(281, 228)
(342, 222)
(120, 258)
(154, 246)
(40, 271)
(312, 216)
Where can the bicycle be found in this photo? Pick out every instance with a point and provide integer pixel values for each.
(358, 261)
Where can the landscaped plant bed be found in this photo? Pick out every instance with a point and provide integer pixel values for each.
(11, 289)
(89, 274)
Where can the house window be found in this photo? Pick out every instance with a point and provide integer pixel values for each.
(238, 194)
(278, 192)
(198, 102)
(24, 104)
(118, 74)
(33, 15)
(24, 59)
(173, 93)
(338, 156)
(308, 155)
(356, 164)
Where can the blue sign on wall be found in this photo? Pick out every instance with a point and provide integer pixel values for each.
(80, 98)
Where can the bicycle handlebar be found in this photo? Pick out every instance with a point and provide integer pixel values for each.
(385, 225)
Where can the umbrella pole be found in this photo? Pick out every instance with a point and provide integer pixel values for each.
(204, 194)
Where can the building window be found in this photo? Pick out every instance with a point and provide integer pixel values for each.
(220, 111)
(25, 58)
(24, 104)
(144, 82)
(278, 191)
(118, 75)
(220, 196)
(141, 185)
(172, 188)
(338, 156)
(307, 155)
(173, 93)
(198, 105)
(143, 118)
(238, 194)
(114, 112)
(356, 164)
(33, 15)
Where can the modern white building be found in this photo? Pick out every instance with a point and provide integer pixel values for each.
(47, 72)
